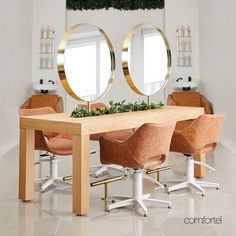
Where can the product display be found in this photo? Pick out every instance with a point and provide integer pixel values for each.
(47, 37)
(184, 46)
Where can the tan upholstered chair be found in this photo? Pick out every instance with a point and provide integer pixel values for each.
(37, 101)
(147, 147)
(201, 136)
(119, 134)
(54, 143)
(192, 99)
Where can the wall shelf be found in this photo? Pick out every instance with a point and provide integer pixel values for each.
(47, 51)
(184, 47)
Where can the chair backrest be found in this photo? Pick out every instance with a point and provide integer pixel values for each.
(38, 101)
(40, 143)
(204, 132)
(187, 99)
(150, 143)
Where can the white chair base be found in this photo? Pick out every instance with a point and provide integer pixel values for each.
(138, 199)
(190, 181)
(102, 169)
(53, 178)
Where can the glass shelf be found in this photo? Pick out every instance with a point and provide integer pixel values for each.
(184, 48)
(47, 48)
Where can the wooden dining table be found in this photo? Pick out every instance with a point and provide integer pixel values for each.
(80, 129)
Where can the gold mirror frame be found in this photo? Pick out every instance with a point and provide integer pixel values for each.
(61, 60)
(125, 57)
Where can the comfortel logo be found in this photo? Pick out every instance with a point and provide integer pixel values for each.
(203, 220)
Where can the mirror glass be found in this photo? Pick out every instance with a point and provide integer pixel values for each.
(86, 62)
(146, 59)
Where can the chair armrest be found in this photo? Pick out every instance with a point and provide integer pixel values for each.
(170, 100)
(207, 105)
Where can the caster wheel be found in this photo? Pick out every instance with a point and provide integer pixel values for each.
(126, 175)
(145, 215)
(203, 195)
(168, 192)
(217, 188)
(169, 207)
(113, 201)
(165, 185)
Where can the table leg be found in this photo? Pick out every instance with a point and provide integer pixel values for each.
(81, 174)
(26, 164)
(200, 171)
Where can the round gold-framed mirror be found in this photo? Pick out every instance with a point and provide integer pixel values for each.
(86, 62)
(146, 59)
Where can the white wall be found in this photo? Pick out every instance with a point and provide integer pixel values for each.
(47, 13)
(117, 24)
(15, 61)
(217, 61)
(177, 13)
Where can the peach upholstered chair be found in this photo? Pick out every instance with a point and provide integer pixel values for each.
(192, 99)
(201, 136)
(54, 143)
(37, 101)
(147, 147)
(119, 134)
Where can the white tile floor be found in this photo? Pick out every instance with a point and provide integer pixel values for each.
(50, 213)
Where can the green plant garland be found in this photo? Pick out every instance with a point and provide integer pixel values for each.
(117, 4)
(118, 107)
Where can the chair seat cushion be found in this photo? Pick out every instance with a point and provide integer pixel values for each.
(60, 146)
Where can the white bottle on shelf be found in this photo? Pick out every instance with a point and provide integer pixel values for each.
(181, 46)
(187, 61)
(44, 33)
(181, 60)
(187, 30)
(188, 46)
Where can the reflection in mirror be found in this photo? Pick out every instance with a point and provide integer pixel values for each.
(86, 62)
(146, 59)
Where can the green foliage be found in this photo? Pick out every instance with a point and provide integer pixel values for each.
(117, 4)
(115, 107)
